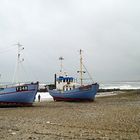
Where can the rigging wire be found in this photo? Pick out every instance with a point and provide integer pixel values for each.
(23, 73)
(16, 74)
(5, 50)
(32, 73)
(90, 77)
(88, 73)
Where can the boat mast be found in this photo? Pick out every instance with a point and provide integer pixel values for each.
(61, 63)
(81, 68)
(19, 60)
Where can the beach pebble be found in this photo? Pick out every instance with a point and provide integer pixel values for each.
(13, 133)
(48, 122)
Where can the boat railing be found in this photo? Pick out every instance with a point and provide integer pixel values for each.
(15, 84)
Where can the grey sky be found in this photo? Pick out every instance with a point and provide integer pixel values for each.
(107, 30)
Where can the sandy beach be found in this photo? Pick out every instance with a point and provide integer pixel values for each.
(107, 118)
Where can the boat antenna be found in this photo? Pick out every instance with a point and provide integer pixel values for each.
(81, 68)
(61, 63)
(19, 60)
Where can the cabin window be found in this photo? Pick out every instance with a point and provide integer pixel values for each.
(59, 81)
(1, 89)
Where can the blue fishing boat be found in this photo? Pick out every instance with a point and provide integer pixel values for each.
(67, 88)
(18, 94)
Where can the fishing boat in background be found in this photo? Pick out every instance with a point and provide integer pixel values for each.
(67, 88)
(18, 94)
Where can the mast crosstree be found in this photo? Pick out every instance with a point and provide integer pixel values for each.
(19, 60)
(81, 68)
(61, 63)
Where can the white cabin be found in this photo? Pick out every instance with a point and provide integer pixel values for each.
(65, 83)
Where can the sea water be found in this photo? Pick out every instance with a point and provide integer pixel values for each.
(120, 85)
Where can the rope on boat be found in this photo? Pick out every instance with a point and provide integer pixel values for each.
(7, 49)
(88, 73)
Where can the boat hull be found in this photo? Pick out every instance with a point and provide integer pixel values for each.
(21, 95)
(84, 93)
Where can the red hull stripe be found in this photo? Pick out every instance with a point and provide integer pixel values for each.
(14, 104)
(71, 99)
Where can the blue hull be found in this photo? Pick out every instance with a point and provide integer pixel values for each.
(18, 95)
(84, 93)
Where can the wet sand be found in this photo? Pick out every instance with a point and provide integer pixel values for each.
(107, 118)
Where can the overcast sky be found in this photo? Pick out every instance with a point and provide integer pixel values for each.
(107, 30)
